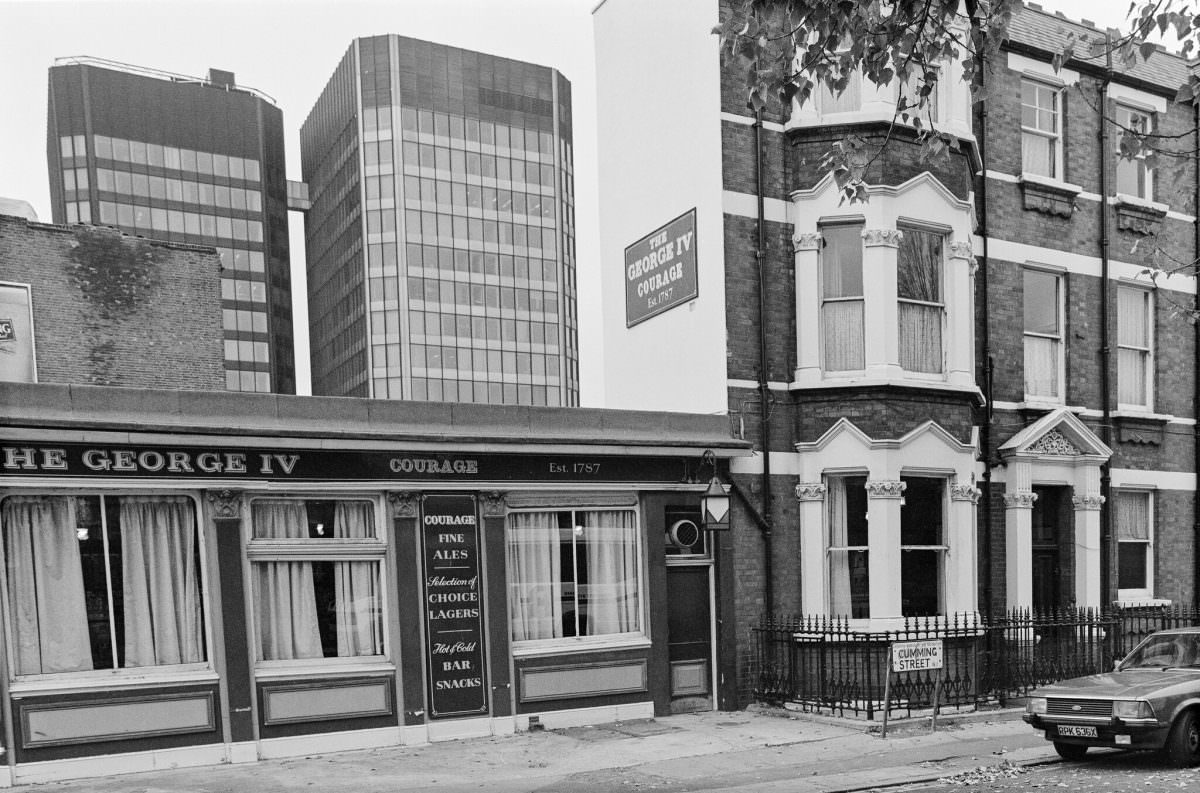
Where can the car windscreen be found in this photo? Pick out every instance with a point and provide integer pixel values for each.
(1165, 651)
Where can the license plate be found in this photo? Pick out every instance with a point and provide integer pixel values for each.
(1076, 732)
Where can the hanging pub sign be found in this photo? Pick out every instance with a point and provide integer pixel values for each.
(453, 606)
(660, 270)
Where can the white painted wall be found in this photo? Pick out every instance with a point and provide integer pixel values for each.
(658, 110)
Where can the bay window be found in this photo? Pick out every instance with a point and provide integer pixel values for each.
(1043, 334)
(1041, 129)
(922, 546)
(102, 582)
(574, 573)
(316, 578)
(842, 298)
(921, 307)
(847, 544)
(1135, 373)
(1135, 562)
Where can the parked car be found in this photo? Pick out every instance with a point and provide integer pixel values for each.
(1151, 700)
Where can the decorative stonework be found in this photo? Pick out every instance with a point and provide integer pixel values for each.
(1091, 503)
(1021, 499)
(810, 491)
(1138, 218)
(225, 504)
(1052, 199)
(1054, 442)
(962, 250)
(807, 242)
(494, 505)
(882, 237)
(405, 503)
(883, 489)
(964, 493)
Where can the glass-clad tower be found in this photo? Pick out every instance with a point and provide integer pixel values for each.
(191, 160)
(441, 238)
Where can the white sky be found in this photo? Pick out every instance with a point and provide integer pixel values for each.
(288, 50)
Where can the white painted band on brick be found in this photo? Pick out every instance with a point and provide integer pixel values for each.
(1131, 478)
(734, 118)
(753, 385)
(746, 205)
(782, 464)
(998, 176)
(1093, 413)
(1021, 253)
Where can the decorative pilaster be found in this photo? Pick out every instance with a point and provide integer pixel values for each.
(1018, 545)
(883, 489)
(881, 346)
(962, 572)
(968, 493)
(959, 340)
(883, 538)
(224, 504)
(405, 503)
(494, 504)
(811, 496)
(807, 256)
(1087, 539)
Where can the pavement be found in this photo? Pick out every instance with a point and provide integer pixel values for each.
(758, 750)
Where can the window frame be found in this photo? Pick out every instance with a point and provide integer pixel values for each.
(831, 549)
(1146, 593)
(1146, 353)
(944, 234)
(1059, 277)
(942, 549)
(375, 549)
(588, 643)
(1056, 137)
(822, 228)
(117, 675)
(1126, 114)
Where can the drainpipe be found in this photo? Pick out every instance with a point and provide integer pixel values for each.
(760, 254)
(1196, 377)
(1105, 351)
(985, 431)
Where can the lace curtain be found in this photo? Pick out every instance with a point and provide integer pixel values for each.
(287, 601)
(610, 537)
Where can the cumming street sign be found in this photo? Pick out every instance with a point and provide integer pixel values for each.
(917, 656)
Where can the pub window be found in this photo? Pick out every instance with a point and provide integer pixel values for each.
(316, 577)
(102, 582)
(574, 573)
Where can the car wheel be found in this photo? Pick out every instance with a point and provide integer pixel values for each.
(1183, 744)
(1070, 751)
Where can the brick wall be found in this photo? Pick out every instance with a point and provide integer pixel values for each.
(116, 310)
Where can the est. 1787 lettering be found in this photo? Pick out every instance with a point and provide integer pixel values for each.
(575, 468)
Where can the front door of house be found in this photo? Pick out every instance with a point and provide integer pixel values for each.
(689, 613)
(1051, 523)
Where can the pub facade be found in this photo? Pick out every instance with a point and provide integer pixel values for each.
(196, 577)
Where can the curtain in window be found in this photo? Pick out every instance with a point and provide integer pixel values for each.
(611, 540)
(1133, 516)
(359, 623)
(1037, 154)
(842, 326)
(160, 581)
(287, 600)
(839, 561)
(45, 580)
(1133, 340)
(919, 278)
(1041, 366)
(535, 576)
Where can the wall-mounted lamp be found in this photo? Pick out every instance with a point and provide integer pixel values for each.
(714, 504)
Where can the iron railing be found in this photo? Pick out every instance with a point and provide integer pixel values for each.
(823, 663)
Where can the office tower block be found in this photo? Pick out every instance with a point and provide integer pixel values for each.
(186, 160)
(441, 238)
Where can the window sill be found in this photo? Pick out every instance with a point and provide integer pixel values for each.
(1138, 214)
(118, 678)
(1140, 602)
(1050, 196)
(312, 668)
(858, 381)
(575, 647)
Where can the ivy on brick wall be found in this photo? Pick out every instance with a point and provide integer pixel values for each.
(115, 273)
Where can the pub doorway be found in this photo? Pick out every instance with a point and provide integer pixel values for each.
(690, 626)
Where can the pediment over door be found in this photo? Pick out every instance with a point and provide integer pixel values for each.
(1057, 435)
